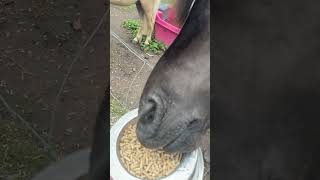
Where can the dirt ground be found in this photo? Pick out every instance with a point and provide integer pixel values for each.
(127, 72)
(37, 45)
(126, 81)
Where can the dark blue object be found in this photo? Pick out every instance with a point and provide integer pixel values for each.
(164, 9)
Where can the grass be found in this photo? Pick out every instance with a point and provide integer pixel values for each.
(20, 156)
(116, 110)
(155, 46)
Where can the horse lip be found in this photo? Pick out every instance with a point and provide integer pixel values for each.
(172, 141)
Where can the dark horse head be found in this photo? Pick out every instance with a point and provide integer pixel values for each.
(174, 109)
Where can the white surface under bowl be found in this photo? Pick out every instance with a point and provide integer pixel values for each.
(190, 168)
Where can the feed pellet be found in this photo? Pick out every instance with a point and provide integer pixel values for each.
(142, 162)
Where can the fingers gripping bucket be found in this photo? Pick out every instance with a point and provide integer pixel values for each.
(190, 168)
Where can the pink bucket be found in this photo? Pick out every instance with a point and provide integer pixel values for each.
(165, 31)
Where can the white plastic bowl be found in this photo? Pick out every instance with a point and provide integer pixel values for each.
(190, 168)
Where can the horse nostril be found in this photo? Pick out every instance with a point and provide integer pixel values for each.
(194, 123)
(148, 111)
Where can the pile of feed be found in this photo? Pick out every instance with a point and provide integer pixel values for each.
(142, 162)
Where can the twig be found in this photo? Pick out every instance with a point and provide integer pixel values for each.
(23, 70)
(52, 121)
(149, 54)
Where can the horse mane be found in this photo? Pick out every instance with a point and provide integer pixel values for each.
(182, 8)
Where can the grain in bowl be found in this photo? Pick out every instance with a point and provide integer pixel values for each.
(142, 162)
